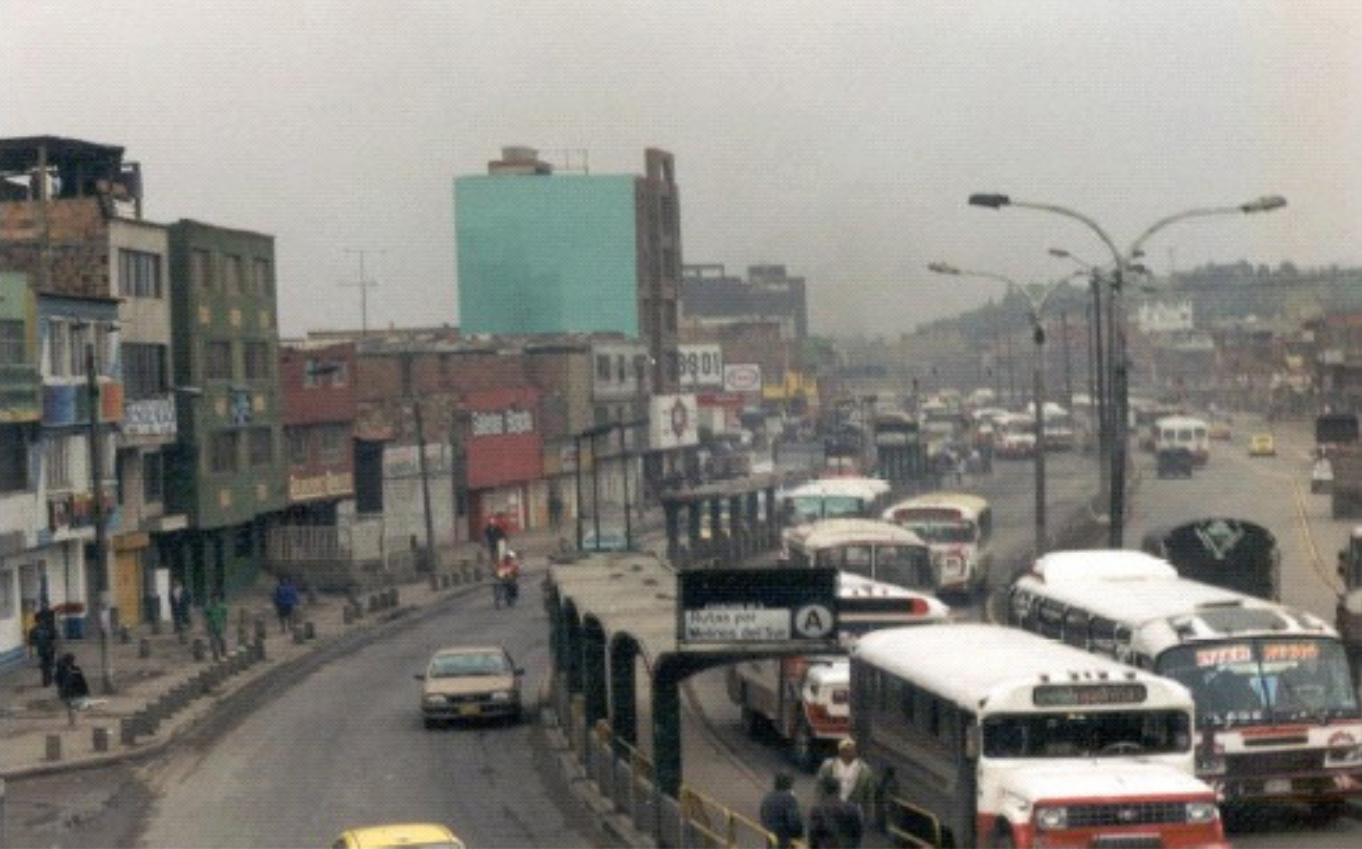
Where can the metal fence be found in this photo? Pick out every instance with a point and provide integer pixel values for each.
(624, 775)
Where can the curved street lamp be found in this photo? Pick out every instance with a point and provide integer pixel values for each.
(1121, 263)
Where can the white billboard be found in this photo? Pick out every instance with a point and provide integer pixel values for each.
(674, 422)
(701, 366)
(743, 377)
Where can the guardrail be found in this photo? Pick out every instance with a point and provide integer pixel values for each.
(625, 777)
(909, 825)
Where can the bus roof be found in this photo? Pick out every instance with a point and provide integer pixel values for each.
(1100, 565)
(962, 501)
(853, 487)
(827, 533)
(999, 659)
(1179, 421)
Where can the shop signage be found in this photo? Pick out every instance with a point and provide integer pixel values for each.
(149, 417)
(673, 422)
(743, 377)
(701, 365)
(503, 423)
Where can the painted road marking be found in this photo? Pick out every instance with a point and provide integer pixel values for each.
(1303, 525)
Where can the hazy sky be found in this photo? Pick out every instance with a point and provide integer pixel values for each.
(840, 138)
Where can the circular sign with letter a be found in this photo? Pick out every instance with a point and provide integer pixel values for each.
(813, 621)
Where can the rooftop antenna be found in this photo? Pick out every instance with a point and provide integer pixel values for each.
(364, 284)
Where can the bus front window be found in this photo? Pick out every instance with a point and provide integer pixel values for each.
(905, 566)
(1081, 735)
(1259, 682)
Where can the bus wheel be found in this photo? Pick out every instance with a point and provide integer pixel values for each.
(802, 747)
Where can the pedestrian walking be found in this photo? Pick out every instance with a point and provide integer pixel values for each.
(43, 637)
(215, 620)
(780, 812)
(179, 607)
(285, 602)
(834, 823)
(495, 535)
(855, 779)
(72, 687)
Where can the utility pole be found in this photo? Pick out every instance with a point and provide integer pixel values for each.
(364, 284)
(1068, 363)
(1038, 392)
(101, 570)
(425, 483)
(1011, 374)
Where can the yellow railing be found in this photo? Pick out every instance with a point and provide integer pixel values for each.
(714, 819)
(903, 837)
(640, 763)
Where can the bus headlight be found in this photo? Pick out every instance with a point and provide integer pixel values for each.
(1202, 812)
(1051, 819)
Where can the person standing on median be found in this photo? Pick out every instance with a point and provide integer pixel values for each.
(179, 607)
(285, 602)
(854, 777)
(834, 823)
(780, 812)
(43, 637)
(215, 618)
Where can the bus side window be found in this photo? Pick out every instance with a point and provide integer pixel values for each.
(1076, 628)
(1103, 635)
(1051, 620)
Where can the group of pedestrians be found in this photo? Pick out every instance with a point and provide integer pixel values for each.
(845, 786)
(63, 671)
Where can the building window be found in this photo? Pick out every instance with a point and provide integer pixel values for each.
(201, 269)
(233, 282)
(144, 371)
(80, 337)
(58, 340)
(222, 451)
(139, 274)
(297, 446)
(217, 360)
(619, 368)
(603, 366)
(260, 271)
(333, 443)
(261, 444)
(13, 459)
(640, 368)
(257, 356)
(153, 478)
(11, 342)
(57, 462)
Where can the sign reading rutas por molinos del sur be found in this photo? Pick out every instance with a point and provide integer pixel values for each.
(757, 606)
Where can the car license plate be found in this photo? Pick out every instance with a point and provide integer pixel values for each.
(468, 710)
(1277, 785)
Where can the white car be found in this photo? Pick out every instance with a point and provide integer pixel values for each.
(1322, 476)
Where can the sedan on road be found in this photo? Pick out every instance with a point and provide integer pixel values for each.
(1262, 445)
(470, 683)
(404, 836)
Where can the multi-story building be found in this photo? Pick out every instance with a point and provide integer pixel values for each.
(227, 469)
(20, 416)
(572, 253)
(319, 420)
(711, 297)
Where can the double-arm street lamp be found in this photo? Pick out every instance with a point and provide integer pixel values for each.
(1036, 296)
(1122, 263)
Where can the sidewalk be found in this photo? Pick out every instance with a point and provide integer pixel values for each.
(159, 697)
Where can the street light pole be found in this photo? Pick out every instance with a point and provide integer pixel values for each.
(101, 569)
(577, 468)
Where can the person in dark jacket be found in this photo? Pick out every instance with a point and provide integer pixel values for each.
(494, 534)
(71, 684)
(285, 602)
(43, 637)
(834, 823)
(780, 812)
(179, 607)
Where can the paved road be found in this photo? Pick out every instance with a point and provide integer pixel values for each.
(346, 747)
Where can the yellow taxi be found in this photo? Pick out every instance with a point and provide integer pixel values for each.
(1262, 445)
(413, 835)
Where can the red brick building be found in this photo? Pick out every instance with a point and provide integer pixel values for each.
(318, 387)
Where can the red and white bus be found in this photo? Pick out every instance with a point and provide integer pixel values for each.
(988, 736)
(1278, 716)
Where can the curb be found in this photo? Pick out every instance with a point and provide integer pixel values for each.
(267, 680)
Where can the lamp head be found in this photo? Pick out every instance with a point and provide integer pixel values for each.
(1060, 253)
(992, 201)
(942, 268)
(1266, 203)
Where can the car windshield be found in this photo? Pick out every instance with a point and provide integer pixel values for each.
(1259, 682)
(460, 665)
(1095, 734)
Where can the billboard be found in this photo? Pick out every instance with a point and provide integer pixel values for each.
(701, 366)
(673, 422)
(743, 377)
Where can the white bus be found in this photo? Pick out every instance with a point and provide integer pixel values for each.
(957, 528)
(829, 498)
(1183, 432)
(872, 549)
(1277, 711)
(805, 700)
(985, 736)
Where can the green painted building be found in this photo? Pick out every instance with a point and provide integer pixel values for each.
(227, 473)
(547, 253)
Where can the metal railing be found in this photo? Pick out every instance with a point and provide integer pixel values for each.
(909, 825)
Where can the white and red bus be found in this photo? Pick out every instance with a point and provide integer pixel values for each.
(881, 551)
(957, 528)
(1278, 717)
(805, 699)
(987, 736)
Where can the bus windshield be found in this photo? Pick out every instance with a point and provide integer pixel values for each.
(1094, 734)
(1254, 682)
(943, 532)
(826, 506)
(905, 566)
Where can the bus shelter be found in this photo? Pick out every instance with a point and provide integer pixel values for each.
(727, 521)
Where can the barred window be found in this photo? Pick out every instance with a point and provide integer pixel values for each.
(223, 451)
(139, 274)
(233, 281)
(201, 269)
(217, 360)
(297, 445)
(333, 443)
(261, 445)
(257, 355)
(144, 371)
(57, 461)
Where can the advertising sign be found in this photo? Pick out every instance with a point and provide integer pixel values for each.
(701, 366)
(673, 422)
(743, 377)
(149, 417)
(720, 606)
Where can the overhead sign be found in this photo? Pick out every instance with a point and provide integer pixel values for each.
(721, 606)
(673, 422)
(701, 366)
(743, 377)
